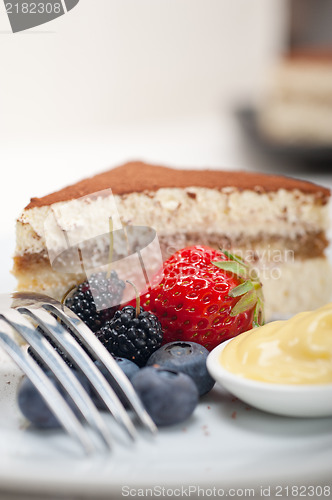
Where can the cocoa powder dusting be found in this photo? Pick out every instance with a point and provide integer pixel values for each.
(139, 177)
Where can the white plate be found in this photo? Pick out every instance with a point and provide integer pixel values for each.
(225, 444)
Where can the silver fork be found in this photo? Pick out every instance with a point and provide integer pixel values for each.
(31, 309)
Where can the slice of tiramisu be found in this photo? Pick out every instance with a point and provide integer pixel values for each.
(277, 223)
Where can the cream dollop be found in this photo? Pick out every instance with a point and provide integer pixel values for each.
(295, 351)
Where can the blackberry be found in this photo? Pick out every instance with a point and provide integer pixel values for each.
(95, 301)
(132, 336)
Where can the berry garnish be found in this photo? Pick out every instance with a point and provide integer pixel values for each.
(205, 296)
(169, 397)
(185, 357)
(96, 300)
(132, 333)
(132, 336)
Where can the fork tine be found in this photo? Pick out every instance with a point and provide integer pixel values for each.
(45, 387)
(70, 346)
(95, 347)
(61, 371)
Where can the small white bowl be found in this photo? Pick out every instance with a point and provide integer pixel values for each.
(289, 400)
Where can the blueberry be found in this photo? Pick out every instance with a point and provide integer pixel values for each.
(34, 408)
(128, 367)
(169, 397)
(188, 358)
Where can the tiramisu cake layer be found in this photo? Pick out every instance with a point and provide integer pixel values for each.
(276, 222)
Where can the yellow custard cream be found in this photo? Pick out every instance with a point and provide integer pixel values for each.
(296, 351)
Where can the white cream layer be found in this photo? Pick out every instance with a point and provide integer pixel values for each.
(229, 212)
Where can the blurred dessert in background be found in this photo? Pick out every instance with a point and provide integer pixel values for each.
(297, 105)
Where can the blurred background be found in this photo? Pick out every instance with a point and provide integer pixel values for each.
(187, 83)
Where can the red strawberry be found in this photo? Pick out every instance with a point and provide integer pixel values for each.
(205, 296)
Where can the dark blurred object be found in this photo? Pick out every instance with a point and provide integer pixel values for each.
(292, 119)
(300, 153)
(310, 24)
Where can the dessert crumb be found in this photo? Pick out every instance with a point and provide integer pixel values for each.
(234, 414)
(209, 407)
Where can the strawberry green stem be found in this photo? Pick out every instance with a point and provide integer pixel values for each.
(249, 290)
